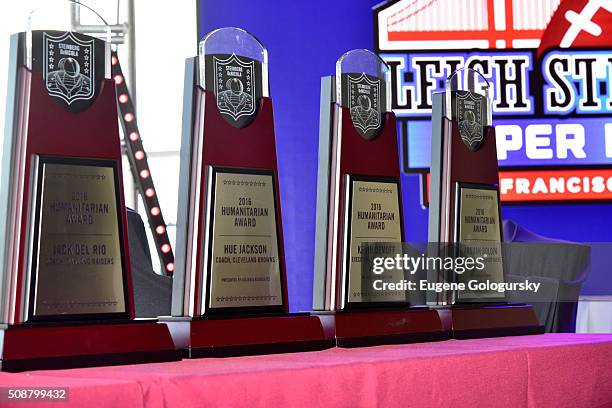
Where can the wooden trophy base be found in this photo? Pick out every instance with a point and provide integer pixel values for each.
(43, 346)
(247, 335)
(372, 328)
(470, 322)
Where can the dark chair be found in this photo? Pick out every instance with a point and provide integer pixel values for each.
(560, 266)
(152, 292)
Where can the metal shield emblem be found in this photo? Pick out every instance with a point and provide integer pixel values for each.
(364, 103)
(235, 88)
(469, 117)
(69, 67)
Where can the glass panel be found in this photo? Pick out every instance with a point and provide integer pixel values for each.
(358, 63)
(362, 84)
(62, 16)
(231, 41)
(470, 80)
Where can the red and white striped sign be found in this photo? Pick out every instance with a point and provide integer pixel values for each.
(463, 24)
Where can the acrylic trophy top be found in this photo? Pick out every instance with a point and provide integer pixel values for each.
(468, 101)
(469, 80)
(362, 86)
(234, 66)
(67, 44)
(67, 36)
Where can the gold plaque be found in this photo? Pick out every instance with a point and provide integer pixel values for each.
(479, 232)
(245, 266)
(374, 217)
(77, 264)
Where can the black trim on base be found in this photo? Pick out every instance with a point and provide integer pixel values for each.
(252, 315)
(92, 360)
(259, 349)
(497, 332)
(367, 341)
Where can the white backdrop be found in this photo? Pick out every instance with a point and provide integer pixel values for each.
(166, 34)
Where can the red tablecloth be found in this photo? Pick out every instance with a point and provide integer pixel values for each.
(552, 370)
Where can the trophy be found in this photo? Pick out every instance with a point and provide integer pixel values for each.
(229, 289)
(359, 211)
(465, 214)
(66, 297)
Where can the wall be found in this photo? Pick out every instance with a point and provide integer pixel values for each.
(304, 39)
